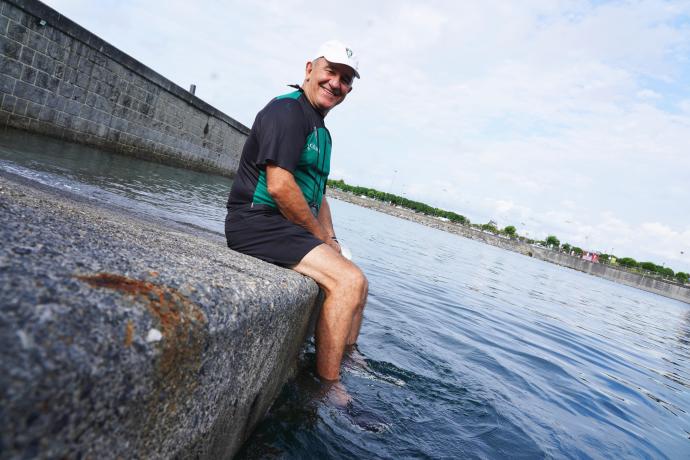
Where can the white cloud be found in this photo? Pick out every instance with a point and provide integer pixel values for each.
(684, 105)
(663, 244)
(526, 182)
(648, 94)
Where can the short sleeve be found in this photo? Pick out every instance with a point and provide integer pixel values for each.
(281, 135)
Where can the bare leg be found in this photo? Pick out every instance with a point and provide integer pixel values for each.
(344, 286)
(357, 319)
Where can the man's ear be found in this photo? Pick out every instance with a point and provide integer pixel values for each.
(307, 70)
(350, 90)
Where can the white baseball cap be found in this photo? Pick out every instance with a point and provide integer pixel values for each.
(336, 52)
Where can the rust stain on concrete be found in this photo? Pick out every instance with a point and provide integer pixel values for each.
(183, 326)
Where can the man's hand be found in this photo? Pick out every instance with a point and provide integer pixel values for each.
(327, 223)
(335, 245)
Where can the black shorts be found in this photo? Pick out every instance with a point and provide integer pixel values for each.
(264, 233)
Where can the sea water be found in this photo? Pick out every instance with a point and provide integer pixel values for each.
(467, 350)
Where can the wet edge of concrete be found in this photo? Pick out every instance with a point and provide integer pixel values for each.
(133, 337)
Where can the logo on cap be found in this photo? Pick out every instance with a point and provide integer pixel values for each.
(349, 52)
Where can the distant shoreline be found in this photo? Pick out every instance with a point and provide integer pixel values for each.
(433, 222)
(658, 286)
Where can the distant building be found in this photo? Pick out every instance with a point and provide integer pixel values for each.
(591, 256)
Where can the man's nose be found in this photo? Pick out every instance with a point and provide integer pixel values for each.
(335, 81)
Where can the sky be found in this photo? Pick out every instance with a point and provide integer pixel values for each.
(569, 118)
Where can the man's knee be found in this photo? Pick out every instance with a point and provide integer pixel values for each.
(353, 281)
(333, 273)
(362, 284)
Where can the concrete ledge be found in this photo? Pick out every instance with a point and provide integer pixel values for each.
(126, 338)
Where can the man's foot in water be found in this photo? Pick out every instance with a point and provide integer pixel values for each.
(337, 395)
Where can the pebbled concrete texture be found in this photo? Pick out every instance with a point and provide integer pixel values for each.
(132, 338)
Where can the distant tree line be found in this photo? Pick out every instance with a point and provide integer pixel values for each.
(552, 242)
(652, 269)
(399, 201)
(510, 231)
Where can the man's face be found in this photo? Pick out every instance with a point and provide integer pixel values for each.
(326, 84)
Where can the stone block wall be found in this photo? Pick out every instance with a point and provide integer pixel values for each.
(56, 78)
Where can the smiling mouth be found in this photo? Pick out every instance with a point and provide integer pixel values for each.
(329, 91)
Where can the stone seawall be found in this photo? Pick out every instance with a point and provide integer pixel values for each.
(664, 288)
(125, 337)
(58, 79)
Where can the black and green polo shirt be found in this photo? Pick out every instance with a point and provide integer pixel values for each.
(289, 133)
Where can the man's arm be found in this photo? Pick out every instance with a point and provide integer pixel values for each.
(326, 221)
(288, 196)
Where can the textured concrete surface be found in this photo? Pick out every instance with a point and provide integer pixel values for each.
(61, 80)
(127, 338)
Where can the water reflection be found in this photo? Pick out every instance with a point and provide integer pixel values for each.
(147, 187)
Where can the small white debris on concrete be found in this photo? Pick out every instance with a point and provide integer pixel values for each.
(154, 335)
(26, 340)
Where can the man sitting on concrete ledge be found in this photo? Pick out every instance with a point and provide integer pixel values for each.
(277, 209)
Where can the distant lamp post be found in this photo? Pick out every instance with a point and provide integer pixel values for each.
(390, 189)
